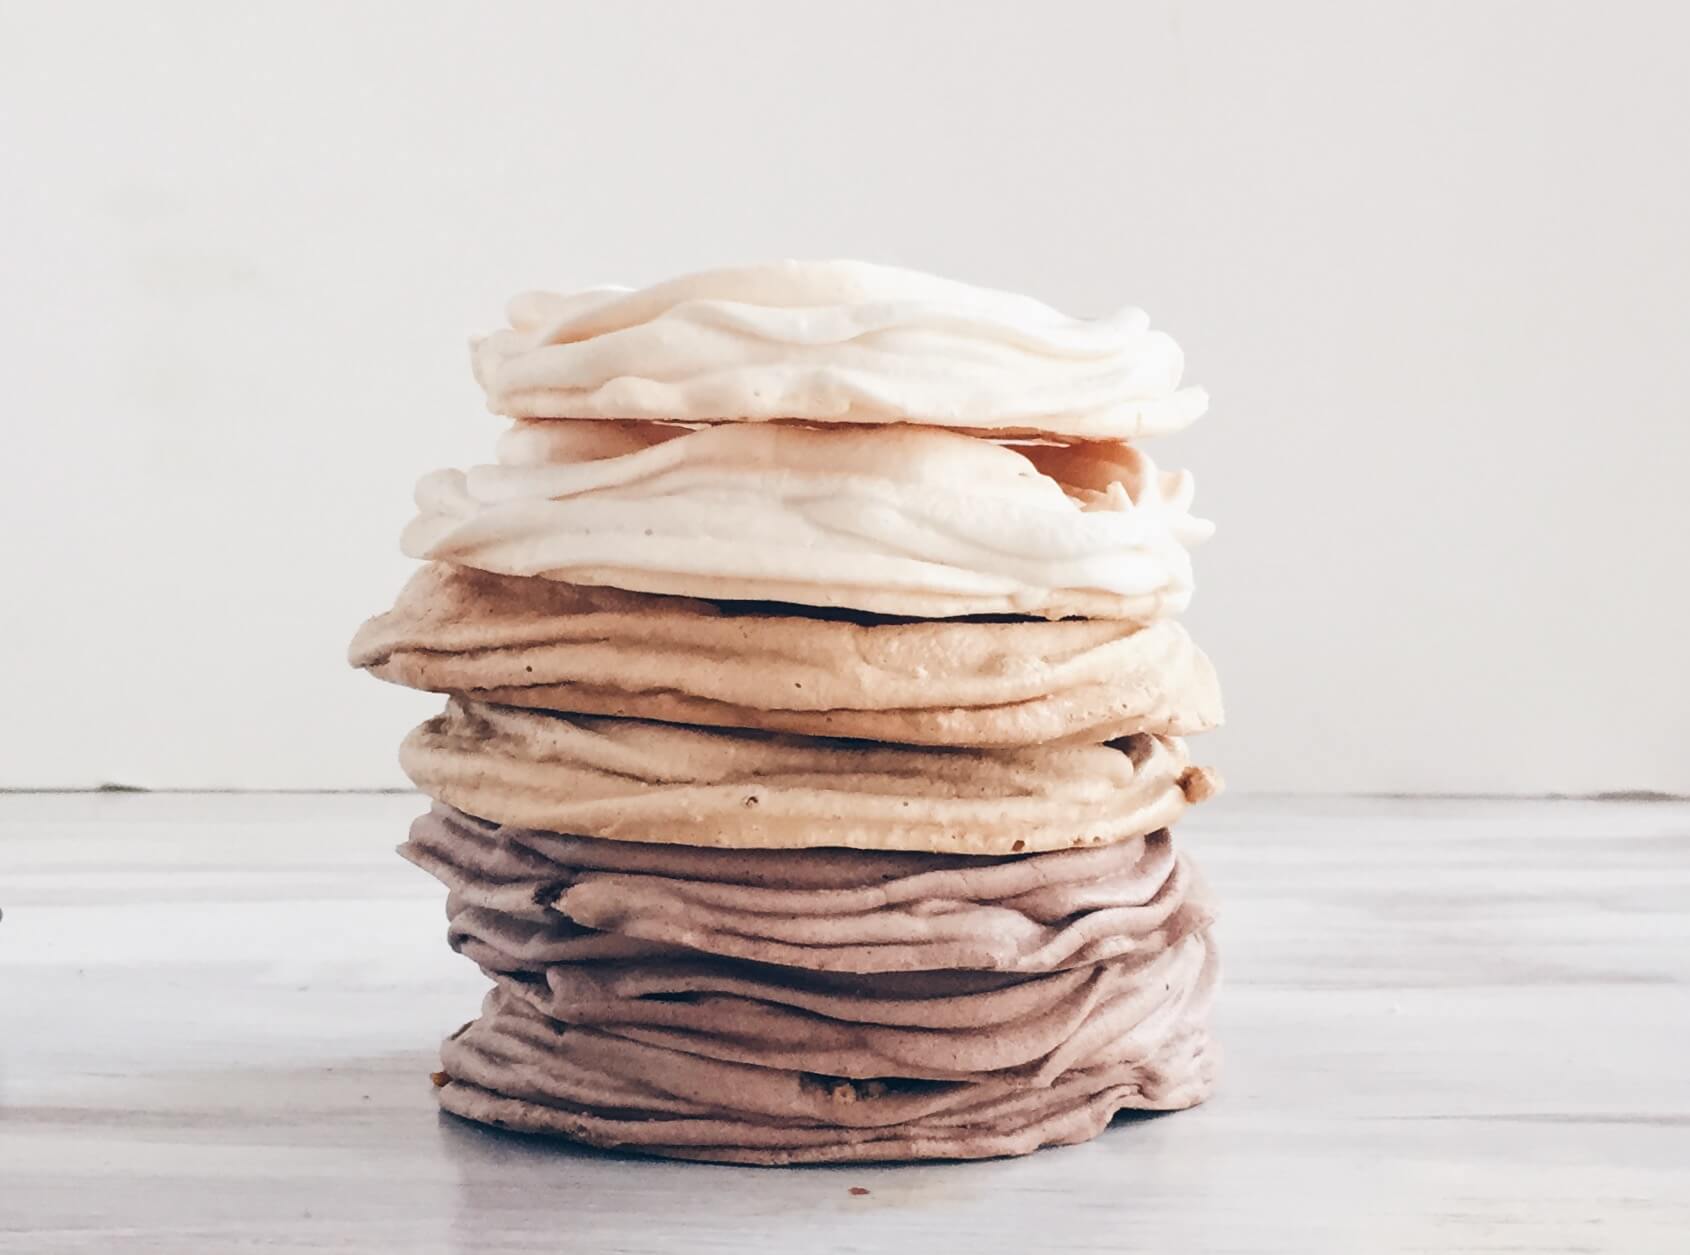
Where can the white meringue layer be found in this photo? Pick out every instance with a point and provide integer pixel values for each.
(901, 520)
(835, 341)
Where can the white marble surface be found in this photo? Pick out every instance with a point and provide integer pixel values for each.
(1451, 1026)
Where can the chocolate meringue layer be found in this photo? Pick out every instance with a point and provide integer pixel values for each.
(516, 1069)
(521, 901)
(786, 1006)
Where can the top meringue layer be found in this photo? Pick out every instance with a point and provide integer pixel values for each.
(836, 341)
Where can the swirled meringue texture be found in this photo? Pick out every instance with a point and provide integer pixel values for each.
(835, 341)
(900, 521)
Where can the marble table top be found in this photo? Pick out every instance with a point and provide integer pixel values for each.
(1449, 1025)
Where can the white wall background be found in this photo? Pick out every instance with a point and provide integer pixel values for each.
(1429, 258)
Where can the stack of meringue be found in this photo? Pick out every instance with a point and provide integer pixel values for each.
(813, 734)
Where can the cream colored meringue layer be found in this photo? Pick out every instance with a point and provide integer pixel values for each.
(629, 780)
(836, 341)
(901, 521)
